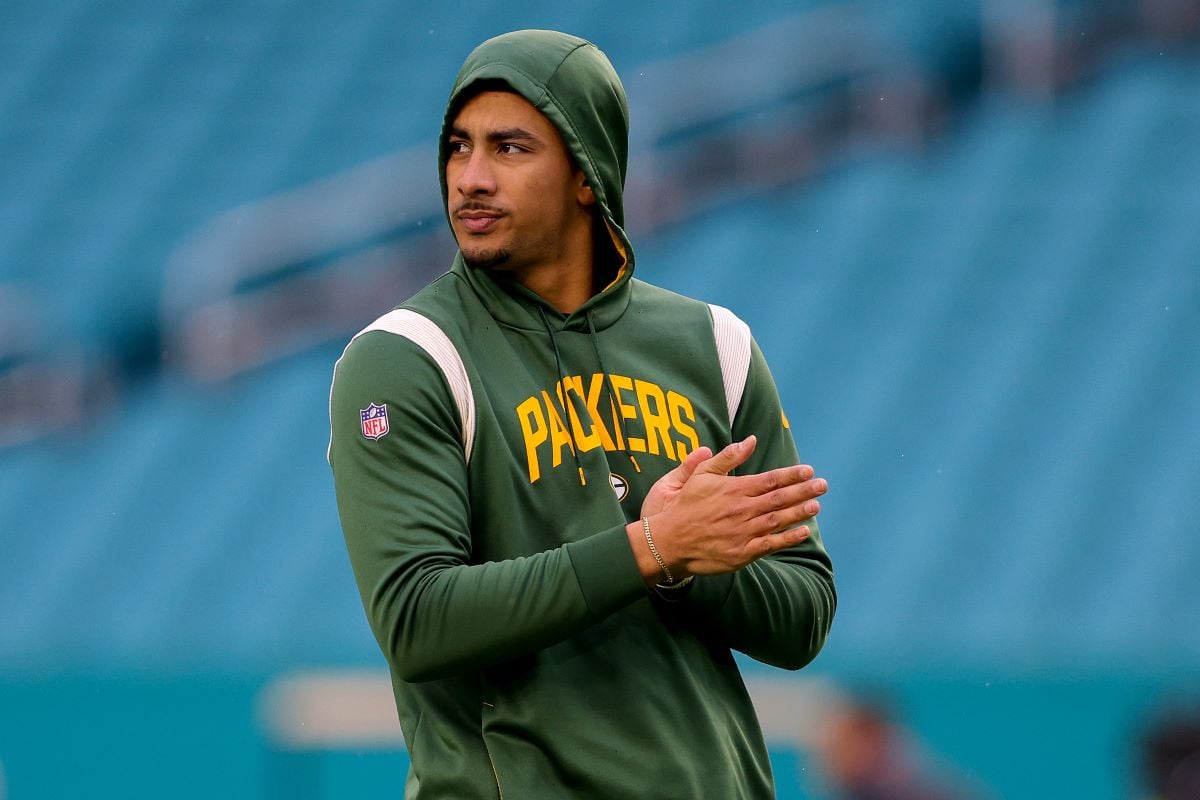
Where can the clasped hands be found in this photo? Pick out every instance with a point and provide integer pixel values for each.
(705, 521)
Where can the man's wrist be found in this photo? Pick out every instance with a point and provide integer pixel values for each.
(647, 565)
(658, 559)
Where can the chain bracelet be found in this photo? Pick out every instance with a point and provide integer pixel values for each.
(654, 552)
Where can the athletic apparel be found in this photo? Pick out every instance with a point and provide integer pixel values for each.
(488, 452)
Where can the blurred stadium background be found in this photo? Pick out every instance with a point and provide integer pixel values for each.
(960, 231)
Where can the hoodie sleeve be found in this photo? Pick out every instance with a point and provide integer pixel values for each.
(404, 508)
(778, 609)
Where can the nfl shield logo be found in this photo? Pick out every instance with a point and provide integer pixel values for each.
(374, 421)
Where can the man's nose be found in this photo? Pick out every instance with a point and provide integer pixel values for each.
(477, 176)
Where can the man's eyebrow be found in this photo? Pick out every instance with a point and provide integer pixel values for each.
(508, 134)
(502, 135)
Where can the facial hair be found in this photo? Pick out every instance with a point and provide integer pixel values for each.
(481, 259)
(486, 259)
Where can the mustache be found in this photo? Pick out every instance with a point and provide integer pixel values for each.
(477, 205)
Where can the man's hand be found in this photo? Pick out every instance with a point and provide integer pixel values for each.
(665, 491)
(706, 522)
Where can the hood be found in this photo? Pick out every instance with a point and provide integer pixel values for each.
(574, 85)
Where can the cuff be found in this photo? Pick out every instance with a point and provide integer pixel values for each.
(607, 571)
(674, 592)
(711, 591)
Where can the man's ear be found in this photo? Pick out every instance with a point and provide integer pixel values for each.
(584, 193)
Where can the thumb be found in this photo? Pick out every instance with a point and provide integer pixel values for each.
(691, 461)
(730, 458)
(677, 477)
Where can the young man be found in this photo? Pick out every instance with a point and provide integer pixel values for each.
(553, 560)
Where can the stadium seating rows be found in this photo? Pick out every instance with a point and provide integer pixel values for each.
(990, 347)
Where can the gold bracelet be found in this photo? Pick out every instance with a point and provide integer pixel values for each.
(654, 552)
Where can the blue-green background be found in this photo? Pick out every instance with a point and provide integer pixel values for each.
(986, 336)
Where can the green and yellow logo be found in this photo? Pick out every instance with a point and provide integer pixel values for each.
(664, 417)
(619, 485)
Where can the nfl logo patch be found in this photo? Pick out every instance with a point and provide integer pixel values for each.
(374, 421)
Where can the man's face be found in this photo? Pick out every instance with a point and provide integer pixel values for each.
(514, 192)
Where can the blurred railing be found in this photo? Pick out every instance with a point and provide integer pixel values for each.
(47, 382)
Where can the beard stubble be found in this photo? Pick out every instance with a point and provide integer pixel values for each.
(486, 259)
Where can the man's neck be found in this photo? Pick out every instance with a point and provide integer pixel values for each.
(567, 282)
(564, 286)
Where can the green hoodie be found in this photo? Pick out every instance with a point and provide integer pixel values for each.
(488, 452)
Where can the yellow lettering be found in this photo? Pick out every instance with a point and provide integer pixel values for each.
(584, 441)
(679, 406)
(592, 401)
(620, 382)
(667, 417)
(612, 407)
(658, 425)
(529, 413)
(559, 437)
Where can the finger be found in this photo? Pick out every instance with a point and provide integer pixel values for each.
(729, 458)
(693, 460)
(774, 542)
(769, 481)
(791, 495)
(679, 476)
(780, 518)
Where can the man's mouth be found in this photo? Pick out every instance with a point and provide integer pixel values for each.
(478, 221)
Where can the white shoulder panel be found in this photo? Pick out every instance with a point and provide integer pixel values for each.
(429, 337)
(733, 350)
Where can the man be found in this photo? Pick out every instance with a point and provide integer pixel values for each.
(552, 558)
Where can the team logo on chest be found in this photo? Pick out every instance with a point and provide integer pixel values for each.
(619, 485)
(613, 413)
(374, 421)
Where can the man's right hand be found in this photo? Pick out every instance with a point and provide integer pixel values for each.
(717, 523)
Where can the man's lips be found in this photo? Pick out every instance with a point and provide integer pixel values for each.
(478, 221)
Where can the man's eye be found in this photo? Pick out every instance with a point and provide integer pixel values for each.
(457, 147)
(510, 149)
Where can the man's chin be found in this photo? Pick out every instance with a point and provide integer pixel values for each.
(486, 259)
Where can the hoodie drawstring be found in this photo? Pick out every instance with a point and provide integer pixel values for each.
(562, 395)
(612, 391)
(613, 397)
